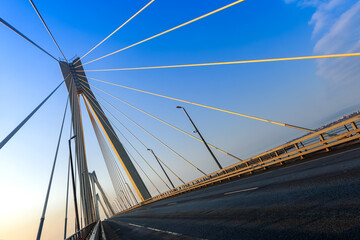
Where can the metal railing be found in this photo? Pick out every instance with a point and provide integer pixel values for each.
(323, 140)
(84, 233)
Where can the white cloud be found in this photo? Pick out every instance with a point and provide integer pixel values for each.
(336, 30)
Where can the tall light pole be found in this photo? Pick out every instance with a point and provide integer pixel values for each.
(74, 188)
(161, 167)
(197, 130)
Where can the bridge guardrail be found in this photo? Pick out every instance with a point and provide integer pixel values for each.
(84, 233)
(324, 139)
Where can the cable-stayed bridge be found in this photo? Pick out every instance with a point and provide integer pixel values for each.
(217, 205)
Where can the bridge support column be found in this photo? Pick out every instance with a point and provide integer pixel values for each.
(83, 87)
(85, 188)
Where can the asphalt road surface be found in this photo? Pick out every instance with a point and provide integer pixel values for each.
(318, 199)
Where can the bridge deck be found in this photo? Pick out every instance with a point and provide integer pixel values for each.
(315, 199)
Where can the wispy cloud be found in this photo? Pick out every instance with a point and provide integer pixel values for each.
(336, 30)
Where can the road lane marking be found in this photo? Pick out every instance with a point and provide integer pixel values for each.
(158, 230)
(242, 190)
(135, 225)
(155, 229)
(172, 204)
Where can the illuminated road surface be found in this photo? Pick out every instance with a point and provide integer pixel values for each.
(319, 199)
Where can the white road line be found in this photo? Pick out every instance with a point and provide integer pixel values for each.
(158, 230)
(155, 229)
(134, 225)
(242, 190)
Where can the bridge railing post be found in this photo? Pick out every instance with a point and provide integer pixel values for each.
(354, 126)
(299, 151)
(323, 139)
(262, 163)
(279, 158)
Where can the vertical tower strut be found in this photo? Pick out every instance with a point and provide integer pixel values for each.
(102, 206)
(104, 197)
(97, 213)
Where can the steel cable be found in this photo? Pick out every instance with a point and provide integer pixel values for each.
(169, 30)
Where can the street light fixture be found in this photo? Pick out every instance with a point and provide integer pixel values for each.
(161, 167)
(197, 131)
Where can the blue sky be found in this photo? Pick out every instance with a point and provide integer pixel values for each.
(305, 93)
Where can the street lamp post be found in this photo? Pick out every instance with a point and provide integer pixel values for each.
(74, 188)
(161, 167)
(197, 130)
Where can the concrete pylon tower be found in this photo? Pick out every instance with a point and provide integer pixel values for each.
(85, 188)
(75, 88)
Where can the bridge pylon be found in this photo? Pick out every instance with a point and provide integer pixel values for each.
(75, 88)
(85, 188)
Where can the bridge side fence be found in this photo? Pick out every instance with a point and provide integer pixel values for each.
(84, 233)
(323, 140)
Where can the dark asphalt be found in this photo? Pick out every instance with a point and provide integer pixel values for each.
(318, 199)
